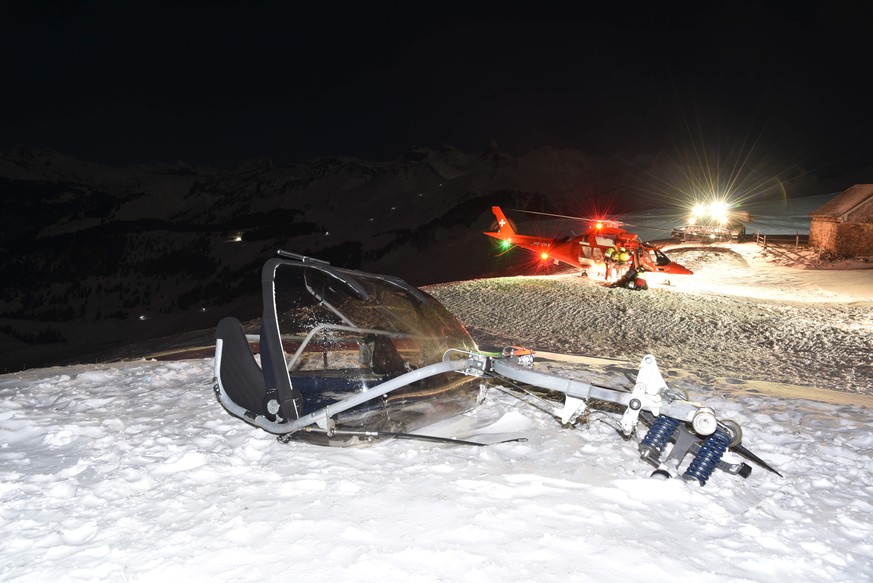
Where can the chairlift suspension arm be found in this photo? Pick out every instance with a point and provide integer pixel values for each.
(644, 397)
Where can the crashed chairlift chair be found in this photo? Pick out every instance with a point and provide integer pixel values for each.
(372, 357)
(349, 334)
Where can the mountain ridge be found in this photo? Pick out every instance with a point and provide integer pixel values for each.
(95, 255)
(90, 249)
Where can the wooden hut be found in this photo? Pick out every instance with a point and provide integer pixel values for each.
(844, 225)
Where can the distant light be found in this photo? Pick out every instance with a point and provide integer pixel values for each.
(327, 233)
(238, 238)
(143, 317)
(718, 209)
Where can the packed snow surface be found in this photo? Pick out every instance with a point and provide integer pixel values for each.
(133, 472)
(742, 315)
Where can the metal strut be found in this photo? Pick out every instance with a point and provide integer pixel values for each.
(693, 429)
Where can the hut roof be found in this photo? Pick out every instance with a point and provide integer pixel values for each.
(845, 202)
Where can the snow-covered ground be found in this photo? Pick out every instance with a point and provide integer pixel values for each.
(745, 314)
(133, 472)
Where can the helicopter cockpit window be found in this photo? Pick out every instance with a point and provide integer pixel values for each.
(659, 258)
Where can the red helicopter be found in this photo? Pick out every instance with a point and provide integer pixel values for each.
(604, 248)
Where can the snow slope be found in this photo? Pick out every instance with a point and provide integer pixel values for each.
(132, 472)
(742, 315)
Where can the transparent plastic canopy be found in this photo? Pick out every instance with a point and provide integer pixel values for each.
(341, 332)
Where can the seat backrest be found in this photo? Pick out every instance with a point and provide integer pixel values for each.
(240, 375)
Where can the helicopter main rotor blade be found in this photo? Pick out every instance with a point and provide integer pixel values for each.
(586, 219)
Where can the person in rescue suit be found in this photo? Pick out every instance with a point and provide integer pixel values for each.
(620, 258)
(609, 259)
(632, 279)
(623, 256)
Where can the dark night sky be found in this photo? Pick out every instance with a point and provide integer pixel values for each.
(217, 82)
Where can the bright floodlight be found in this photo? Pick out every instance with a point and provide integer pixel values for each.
(719, 211)
(718, 208)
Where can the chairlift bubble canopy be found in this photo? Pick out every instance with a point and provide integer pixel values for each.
(328, 333)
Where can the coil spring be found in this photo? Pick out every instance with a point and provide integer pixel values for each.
(658, 435)
(708, 456)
